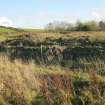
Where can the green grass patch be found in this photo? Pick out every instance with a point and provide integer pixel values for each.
(2, 29)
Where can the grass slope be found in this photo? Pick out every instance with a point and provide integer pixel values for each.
(2, 29)
(10, 29)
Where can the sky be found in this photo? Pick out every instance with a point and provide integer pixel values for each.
(37, 13)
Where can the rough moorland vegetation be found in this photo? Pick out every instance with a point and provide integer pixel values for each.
(29, 84)
(46, 68)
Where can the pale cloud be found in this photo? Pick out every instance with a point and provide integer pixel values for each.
(4, 21)
(98, 14)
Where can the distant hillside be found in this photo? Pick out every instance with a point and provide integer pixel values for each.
(10, 29)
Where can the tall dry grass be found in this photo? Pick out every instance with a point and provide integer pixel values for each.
(29, 84)
(21, 82)
(18, 81)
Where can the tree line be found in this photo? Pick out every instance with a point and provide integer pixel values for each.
(57, 26)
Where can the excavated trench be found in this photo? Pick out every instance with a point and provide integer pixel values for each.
(66, 52)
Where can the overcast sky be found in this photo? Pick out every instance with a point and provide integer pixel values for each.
(37, 13)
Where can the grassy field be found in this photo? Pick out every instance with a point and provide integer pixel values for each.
(42, 34)
(6, 30)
